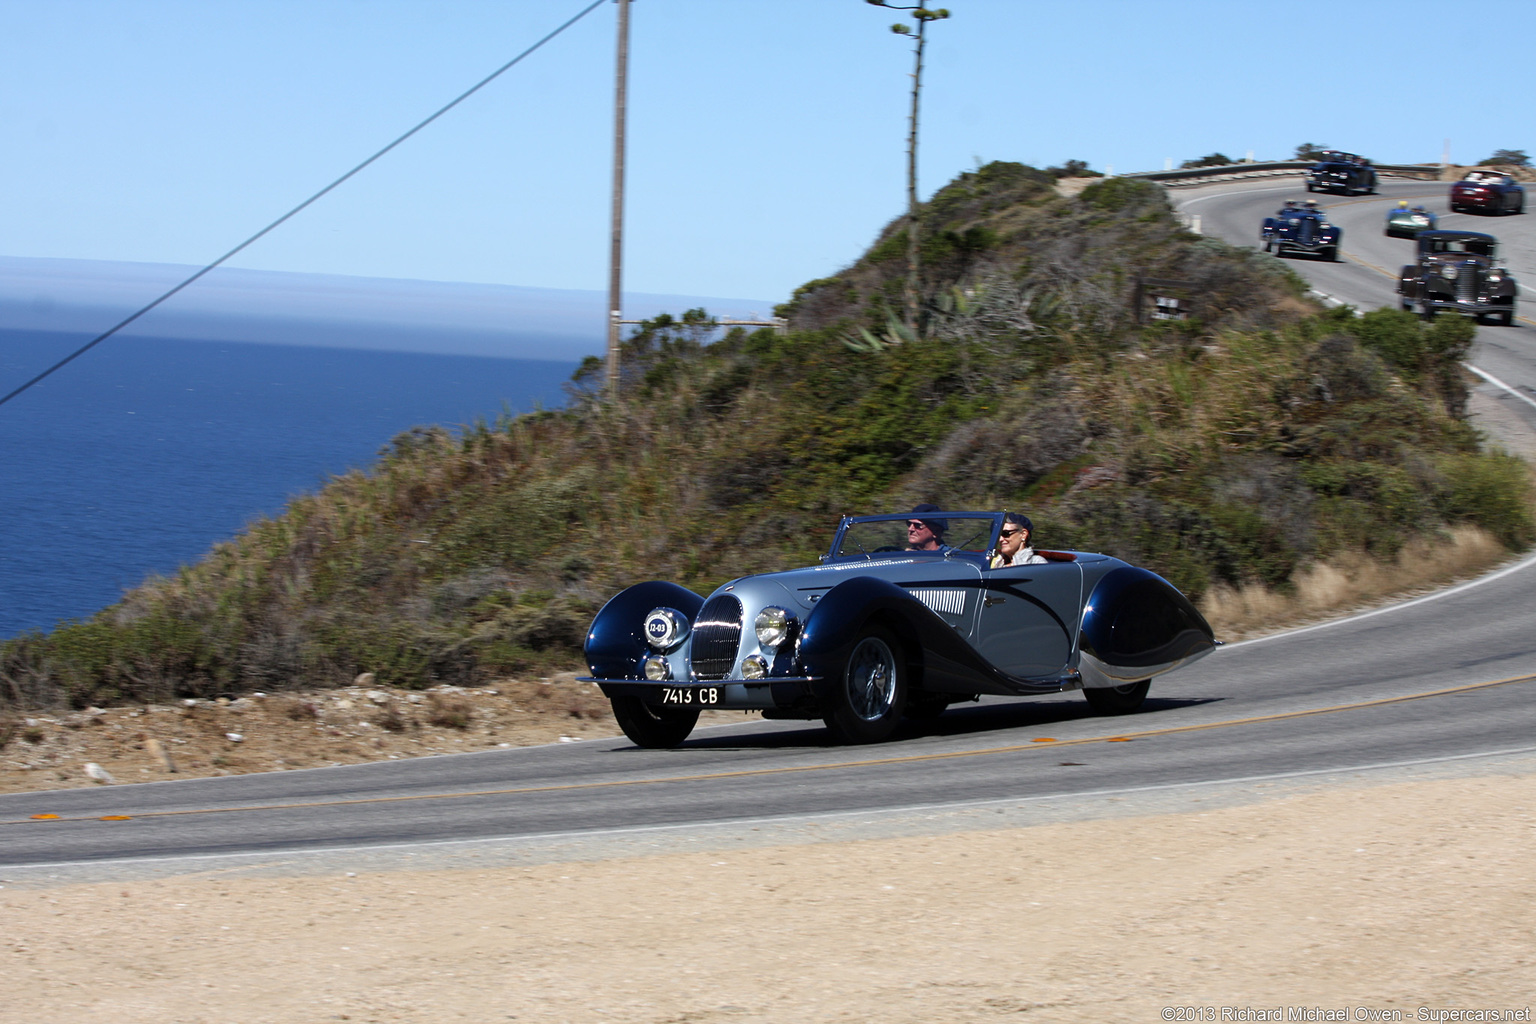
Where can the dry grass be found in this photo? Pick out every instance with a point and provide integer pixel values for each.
(1352, 580)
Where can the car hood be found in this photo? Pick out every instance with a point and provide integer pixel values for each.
(799, 589)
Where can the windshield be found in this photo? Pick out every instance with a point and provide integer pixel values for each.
(1476, 246)
(887, 536)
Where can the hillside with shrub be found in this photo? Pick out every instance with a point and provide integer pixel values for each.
(1236, 446)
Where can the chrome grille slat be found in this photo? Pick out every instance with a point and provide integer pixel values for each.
(716, 638)
(1466, 283)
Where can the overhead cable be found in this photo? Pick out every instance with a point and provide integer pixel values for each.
(103, 336)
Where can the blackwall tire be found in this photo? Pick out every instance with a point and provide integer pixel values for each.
(1117, 700)
(651, 727)
(871, 696)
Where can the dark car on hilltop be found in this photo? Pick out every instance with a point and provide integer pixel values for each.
(1297, 228)
(1458, 271)
(1342, 172)
(1487, 192)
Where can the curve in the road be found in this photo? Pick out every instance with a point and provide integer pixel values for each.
(1421, 681)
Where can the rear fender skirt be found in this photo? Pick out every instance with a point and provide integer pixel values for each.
(1137, 625)
(945, 662)
(616, 642)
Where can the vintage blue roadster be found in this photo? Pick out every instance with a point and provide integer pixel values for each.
(878, 632)
(1301, 229)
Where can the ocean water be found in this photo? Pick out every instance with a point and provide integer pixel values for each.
(137, 457)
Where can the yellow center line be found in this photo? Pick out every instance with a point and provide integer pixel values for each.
(1012, 748)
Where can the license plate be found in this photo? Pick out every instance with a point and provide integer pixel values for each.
(691, 695)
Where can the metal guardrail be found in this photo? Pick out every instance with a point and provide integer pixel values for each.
(1233, 172)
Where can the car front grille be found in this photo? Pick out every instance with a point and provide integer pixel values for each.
(716, 638)
(1466, 283)
(1304, 232)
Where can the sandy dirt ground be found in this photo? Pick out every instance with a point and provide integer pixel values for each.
(300, 729)
(1368, 900)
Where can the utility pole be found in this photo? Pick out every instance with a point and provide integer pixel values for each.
(616, 252)
(922, 16)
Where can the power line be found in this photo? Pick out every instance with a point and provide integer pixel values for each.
(103, 336)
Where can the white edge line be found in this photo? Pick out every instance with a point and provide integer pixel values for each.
(1235, 192)
(1491, 379)
(1390, 608)
(780, 820)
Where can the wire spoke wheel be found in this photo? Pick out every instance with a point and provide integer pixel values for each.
(868, 704)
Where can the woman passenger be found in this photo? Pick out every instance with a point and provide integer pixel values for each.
(1013, 542)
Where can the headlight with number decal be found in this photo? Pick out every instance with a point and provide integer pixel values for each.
(1450, 271)
(665, 628)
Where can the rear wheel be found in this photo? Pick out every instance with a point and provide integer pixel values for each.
(653, 727)
(1117, 700)
(872, 694)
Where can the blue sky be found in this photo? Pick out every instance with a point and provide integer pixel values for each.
(767, 139)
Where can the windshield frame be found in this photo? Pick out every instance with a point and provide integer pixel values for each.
(993, 521)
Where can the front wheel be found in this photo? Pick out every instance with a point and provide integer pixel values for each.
(1117, 700)
(872, 694)
(1331, 254)
(651, 727)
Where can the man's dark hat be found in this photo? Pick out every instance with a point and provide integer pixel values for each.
(938, 526)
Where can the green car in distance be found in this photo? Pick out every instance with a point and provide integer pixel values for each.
(1404, 222)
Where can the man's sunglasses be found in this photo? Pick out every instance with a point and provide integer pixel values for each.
(917, 526)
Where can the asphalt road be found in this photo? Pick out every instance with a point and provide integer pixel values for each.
(1450, 676)
(1366, 274)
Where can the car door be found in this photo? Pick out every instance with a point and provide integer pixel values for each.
(1029, 617)
(946, 585)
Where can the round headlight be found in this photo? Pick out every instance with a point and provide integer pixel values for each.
(1450, 271)
(665, 628)
(754, 666)
(1496, 275)
(656, 668)
(772, 627)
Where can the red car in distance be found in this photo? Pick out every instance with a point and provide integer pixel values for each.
(1487, 192)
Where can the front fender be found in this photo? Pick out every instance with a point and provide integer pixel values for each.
(616, 641)
(943, 660)
(1137, 625)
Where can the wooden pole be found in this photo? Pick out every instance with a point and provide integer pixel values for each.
(616, 252)
(913, 249)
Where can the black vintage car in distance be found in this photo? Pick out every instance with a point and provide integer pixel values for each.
(1342, 172)
(1458, 272)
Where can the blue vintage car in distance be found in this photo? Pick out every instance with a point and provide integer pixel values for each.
(877, 632)
(1301, 228)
